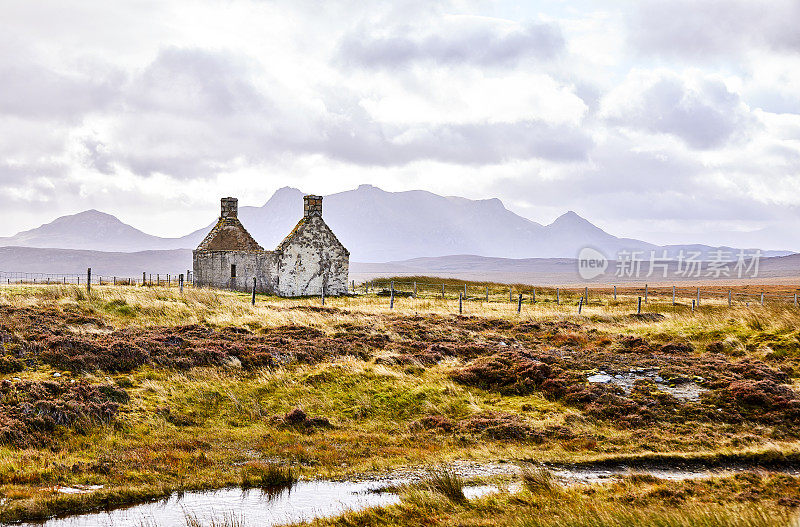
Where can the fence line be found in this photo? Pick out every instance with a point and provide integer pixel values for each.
(579, 296)
(463, 291)
(25, 278)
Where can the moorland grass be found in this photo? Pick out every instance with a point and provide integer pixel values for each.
(215, 426)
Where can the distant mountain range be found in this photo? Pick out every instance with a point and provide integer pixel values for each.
(540, 271)
(103, 263)
(564, 271)
(376, 225)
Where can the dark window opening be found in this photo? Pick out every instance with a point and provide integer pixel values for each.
(233, 271)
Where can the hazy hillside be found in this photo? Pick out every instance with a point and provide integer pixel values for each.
(381, 226)
(376, 225)
(90, 230)
(74, 261)
(554, 271)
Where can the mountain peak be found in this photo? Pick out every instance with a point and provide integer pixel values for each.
(570, 217)
(288, 190)
(366, 187)
(91, 213)
(285, 194)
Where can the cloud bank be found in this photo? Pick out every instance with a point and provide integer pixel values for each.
(663, 121)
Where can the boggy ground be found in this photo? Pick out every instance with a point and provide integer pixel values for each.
(144, 390)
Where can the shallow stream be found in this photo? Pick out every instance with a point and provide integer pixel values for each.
(307, 500)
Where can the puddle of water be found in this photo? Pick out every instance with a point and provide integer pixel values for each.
(590, 475)
(686, 391)
(78, 489)
(307, 500)
(303, 502)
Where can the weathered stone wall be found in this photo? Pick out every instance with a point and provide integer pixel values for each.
(312, 205)
(230, 207)
(213, 269)
(312, 259)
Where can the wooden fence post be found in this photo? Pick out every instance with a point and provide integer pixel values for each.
(533, 296)
(795, 300)
(645, 293)
(730, 298)
(392, 286)
(487, 293)
(391, 299)
(252, 297)
(519, 304)
(558, 296)
(465, 290)
(698, 297)
(180, 282)
(460, 303)
(673, 295)
(693, 306)
(586, 293)
(615, 293)
(639, 307)
(415, 290)
(762, 298)
(442, 290)
(580, 305)
(322, 293)
(89, 280)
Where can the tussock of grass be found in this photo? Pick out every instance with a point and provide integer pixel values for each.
(446, 482)
(227, 520)
(267, 476)
(537, 479)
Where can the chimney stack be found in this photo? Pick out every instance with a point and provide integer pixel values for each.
(230, 207)
(312, 206)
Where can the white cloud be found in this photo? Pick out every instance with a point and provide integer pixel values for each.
(679, 114)
(479, 41)
(711, 29)
(471, 96)
(696, 108)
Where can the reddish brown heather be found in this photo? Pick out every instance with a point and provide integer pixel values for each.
(32, 413)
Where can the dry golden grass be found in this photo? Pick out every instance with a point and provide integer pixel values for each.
(226, 412)
(167, 306)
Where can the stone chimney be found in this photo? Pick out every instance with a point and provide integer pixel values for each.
(230, 207)
(312, 206)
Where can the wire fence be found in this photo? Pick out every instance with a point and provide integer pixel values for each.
(467, 291)
(606, 295)
(148, 279)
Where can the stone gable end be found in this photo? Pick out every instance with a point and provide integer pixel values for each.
(310, 260)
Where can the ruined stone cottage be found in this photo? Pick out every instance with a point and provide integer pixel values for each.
(308, 261)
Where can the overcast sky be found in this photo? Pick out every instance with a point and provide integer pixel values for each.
(668, 121)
